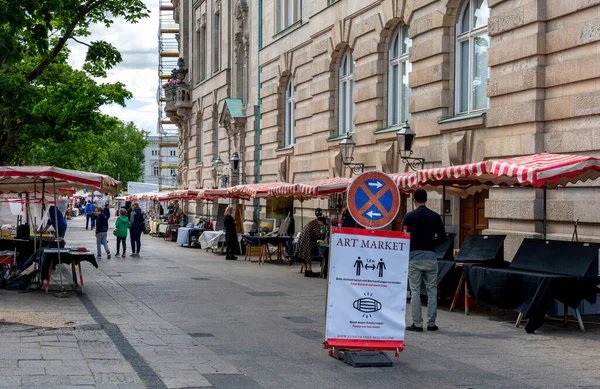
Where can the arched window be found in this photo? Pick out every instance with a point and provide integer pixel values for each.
(472, 44)
(346, 86)
(399, 69)
(290, 106)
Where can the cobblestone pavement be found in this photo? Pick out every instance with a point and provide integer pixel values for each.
(184, 318)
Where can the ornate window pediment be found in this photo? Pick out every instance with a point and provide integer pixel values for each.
(233, 116)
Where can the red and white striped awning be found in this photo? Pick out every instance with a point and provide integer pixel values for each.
(311, 189)
(453, 173)
(537, 170)
(252, 191)
(211, 194)
(405, 181)
(545, 170)
(17, 179)
(184, 194)
(143, 196)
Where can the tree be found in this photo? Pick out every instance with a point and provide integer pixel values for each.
(42, 28)
(62, 105)
(116, 149)
(42, 99)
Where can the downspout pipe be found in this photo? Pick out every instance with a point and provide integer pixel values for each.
(258, 110)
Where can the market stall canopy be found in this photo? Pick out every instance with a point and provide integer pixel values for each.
(537, 170)
(143, 196)
(311, 189)
(252, 191)
(187, 194)
(17, 179)
(211, 194)
(545, 170)
(405, 181)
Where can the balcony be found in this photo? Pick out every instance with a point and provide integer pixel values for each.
(178, 101)
(171, 97)
(184, 101)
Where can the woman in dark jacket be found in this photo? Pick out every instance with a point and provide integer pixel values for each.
(306, 243)
(136, 223)
(230, 234)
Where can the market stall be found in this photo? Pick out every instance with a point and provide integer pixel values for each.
(542, 171)
(51, 180)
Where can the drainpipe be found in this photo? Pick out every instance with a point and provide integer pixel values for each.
(258, 113)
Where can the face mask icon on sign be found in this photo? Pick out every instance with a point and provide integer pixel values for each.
(367, 305)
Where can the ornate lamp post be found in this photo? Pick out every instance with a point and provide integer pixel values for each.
(406, 136)
(347, 146)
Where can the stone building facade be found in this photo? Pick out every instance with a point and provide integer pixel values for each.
(476, 79)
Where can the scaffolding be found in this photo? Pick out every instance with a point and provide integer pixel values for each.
(168, 54)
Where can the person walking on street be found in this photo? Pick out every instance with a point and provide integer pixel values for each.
(136, 228)
(230, 234)
(121, 227)
(90, 214)
(107, 210)
(426, 232)
(101, 232)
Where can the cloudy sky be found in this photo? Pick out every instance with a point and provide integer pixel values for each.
(138, 44)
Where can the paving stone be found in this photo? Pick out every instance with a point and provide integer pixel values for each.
(82, 380)
(46, 380)
(299, 319)
(267, 294)
(8, 380)
(232, 381)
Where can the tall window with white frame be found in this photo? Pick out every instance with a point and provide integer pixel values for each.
(202, 46)
(345, 90)
(288, 13)
(290, 121)
(155, 170)
(472, 44)
(216, 31)
(198, 55)
(399, 69)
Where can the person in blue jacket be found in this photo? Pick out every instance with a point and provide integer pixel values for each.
(90, 214)
(57, 220)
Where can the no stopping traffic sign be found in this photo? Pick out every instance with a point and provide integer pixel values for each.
(373, 200)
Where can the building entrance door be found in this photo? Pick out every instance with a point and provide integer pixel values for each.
(397, 223)
(472, 215)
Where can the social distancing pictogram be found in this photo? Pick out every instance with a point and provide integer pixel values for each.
(373, 200)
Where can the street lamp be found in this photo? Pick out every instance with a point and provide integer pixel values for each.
(347, 146)
(235, 161)
(406, 136)
(218, 164)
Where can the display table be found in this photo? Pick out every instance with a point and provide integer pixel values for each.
(50, 259)
(185, 235)
(212, 239)
(154, 224)
(264, 242)
(541, 270)
(162, 228)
